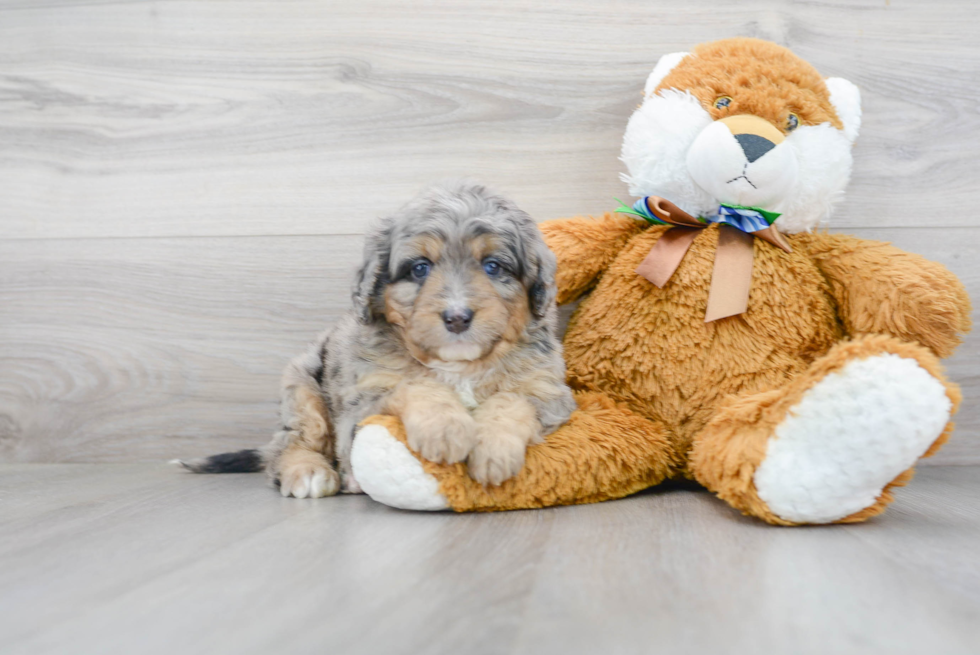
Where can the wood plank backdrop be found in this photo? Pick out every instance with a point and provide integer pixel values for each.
(183, 185)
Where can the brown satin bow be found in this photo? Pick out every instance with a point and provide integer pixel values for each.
(731, 277)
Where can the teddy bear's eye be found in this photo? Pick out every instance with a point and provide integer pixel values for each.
(722, 102)
(792, 122)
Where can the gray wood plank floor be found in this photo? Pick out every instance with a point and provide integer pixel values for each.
(143, 558)
(183, 185)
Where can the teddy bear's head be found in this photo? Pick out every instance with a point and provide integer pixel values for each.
(743, 122)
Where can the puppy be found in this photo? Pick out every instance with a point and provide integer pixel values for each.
(453, 329)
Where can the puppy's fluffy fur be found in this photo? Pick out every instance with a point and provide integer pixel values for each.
(453, 329)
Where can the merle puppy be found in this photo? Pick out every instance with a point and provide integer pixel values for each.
(453, 329)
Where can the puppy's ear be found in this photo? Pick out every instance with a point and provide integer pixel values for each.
(372, 276)
(541, 269)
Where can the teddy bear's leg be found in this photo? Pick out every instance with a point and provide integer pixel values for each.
(830, 445)
(605, 451)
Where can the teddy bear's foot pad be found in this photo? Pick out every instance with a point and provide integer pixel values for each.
(851, 434)
(388, 472)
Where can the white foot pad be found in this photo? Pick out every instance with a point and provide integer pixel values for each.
(849, 436)
(390, 474)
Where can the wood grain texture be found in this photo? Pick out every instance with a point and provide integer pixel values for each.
(183, 184)
(149, 559)
(134, 349)
(215, 118)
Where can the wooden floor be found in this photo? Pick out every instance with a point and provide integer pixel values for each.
(143, 558)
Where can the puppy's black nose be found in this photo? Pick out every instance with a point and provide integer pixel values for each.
(754, 146)
(457, 321)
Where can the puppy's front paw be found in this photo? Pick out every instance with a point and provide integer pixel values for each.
(497, 456)
(309, 476)
(443, 437)
(349, 484)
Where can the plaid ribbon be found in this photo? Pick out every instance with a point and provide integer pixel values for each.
(746, 219)
(732, 274)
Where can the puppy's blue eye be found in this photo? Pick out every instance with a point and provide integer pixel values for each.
(420, 270)
(492, 267)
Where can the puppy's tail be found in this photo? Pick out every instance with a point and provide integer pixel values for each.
(243, 461)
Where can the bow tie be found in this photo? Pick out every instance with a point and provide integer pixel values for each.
(731, 277)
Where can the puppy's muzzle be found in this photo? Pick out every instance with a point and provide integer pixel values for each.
(457, 321)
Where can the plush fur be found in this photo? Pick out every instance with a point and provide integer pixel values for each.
(453, 330)
(804, 399)
(678, 109)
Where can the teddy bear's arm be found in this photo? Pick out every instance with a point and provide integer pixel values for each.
(881, 289)
(585, 247)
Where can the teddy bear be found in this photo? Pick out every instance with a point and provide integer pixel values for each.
(721, 337)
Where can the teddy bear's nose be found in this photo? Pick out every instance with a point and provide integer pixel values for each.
(756, 136)
(754, 146)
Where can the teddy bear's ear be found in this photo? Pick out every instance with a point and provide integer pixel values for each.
(846, 99)
(664, 66)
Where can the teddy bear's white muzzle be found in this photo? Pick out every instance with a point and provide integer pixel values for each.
(742, 169)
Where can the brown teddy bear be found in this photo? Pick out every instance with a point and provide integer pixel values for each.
(793, 373)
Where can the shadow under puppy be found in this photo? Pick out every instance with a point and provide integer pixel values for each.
(453, 330)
